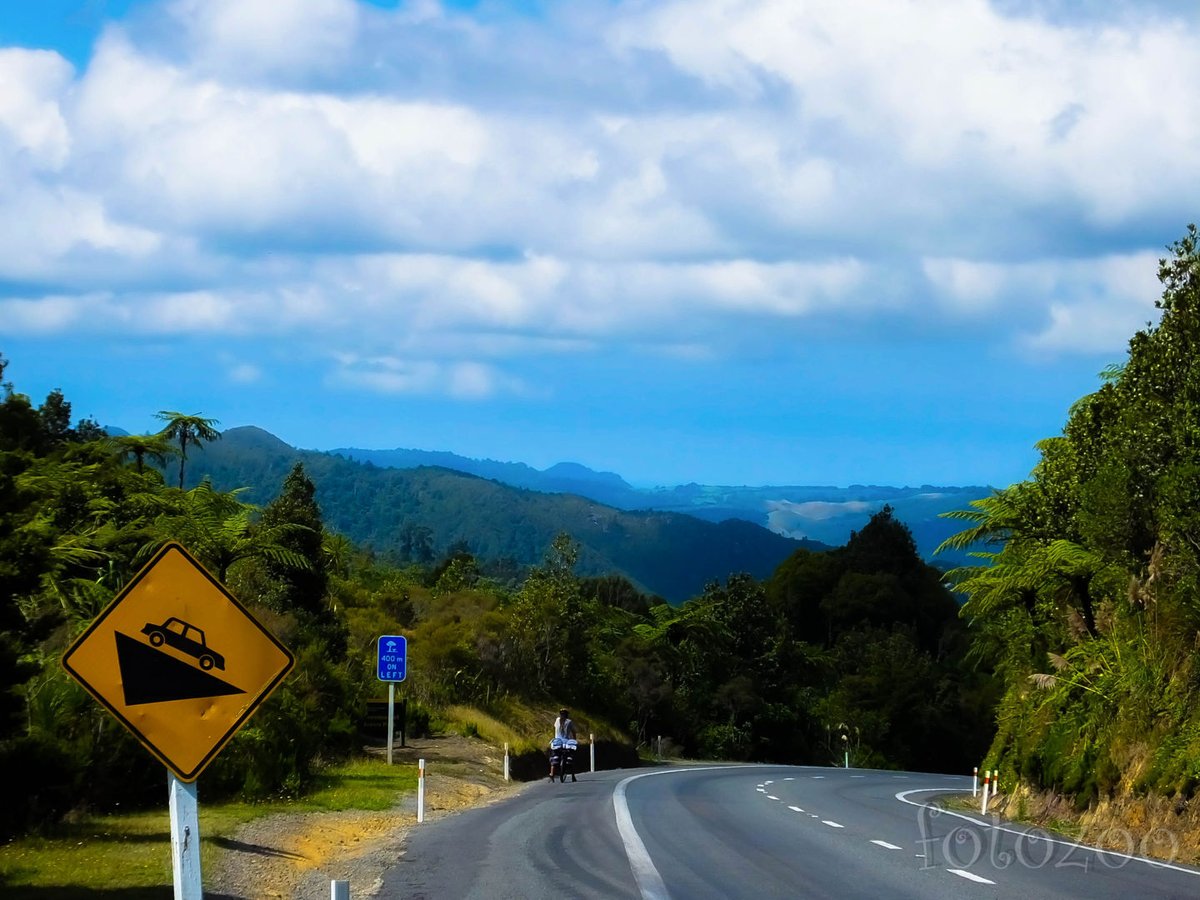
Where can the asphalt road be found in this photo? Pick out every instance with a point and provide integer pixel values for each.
(760, 831)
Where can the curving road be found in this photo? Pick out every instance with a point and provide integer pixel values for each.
(760, 831)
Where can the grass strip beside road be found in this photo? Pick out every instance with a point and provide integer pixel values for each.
(127, 856)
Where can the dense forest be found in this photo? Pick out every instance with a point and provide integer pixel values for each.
(856, 649)
(1087, 601)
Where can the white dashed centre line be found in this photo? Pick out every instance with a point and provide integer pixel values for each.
(795, 809)
(885, 845)
(970, 876)
(831, 824)
(772, 797)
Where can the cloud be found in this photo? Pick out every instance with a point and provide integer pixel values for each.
(267, 37)
(462, 380)
(432, 193)
(966, 101)
(245, 373)
(1063, 305)
(46, 315)
(31, 119)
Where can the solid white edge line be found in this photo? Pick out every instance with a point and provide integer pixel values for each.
(649, 882)
(970, 876)
(1156, 863)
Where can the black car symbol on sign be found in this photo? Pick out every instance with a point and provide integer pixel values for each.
(186, 637)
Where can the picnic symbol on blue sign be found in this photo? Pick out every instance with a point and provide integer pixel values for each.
(393, 652)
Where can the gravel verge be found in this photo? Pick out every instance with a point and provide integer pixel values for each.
(297, 855)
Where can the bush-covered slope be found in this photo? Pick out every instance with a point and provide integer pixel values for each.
(1089, 607)
(419, 513)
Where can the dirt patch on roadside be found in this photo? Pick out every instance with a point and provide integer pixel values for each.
(296, 855)
(1163, 828)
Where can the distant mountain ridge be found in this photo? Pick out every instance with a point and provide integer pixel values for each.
(822, 513)
(561, 478)
(404, 511)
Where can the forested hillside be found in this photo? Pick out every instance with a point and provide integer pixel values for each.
(804, 512)
(416, 515)
(1088, 602)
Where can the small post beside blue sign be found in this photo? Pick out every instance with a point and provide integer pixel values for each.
(393, 652)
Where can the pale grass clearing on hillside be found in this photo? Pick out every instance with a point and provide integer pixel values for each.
(526, 727)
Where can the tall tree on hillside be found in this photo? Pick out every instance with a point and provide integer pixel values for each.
(55, 414)
(192, 429)
(302, 589)
(548, 614)
(140, 446)
(219, 529)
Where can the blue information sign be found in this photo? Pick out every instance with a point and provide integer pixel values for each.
(393, 650)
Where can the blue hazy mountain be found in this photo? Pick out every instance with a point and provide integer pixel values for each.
(803, 512)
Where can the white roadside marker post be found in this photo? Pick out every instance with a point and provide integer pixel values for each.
(975, 782)
(185, 838)
(420, 791)
(339, 890)
(983, 806)
(592, 749)
(506, 760)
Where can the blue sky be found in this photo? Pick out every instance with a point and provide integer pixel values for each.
(724, 241)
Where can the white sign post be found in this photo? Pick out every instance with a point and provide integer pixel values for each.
(391, 718)
(185, 838)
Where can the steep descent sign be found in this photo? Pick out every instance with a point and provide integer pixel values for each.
(179, 661)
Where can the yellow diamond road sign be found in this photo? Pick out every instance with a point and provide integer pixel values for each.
(179, 661)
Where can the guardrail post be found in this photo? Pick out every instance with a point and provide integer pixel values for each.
(420, 791)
